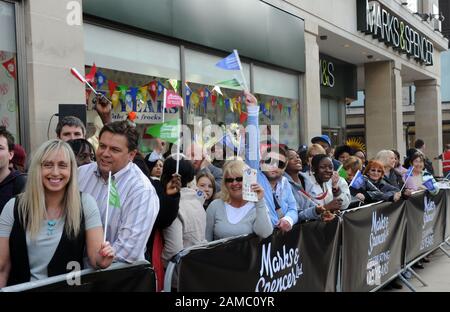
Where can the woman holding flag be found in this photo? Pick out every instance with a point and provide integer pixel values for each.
(51, 223)
(366, 189)
(326, 187)
(418, 178)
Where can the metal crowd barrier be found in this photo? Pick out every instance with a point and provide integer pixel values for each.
(119, 277)
(395, 249)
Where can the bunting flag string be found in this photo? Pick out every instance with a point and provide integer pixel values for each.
(134, 97)
(90, 77)
(160, 88)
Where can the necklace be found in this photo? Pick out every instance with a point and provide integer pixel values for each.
(51, 227)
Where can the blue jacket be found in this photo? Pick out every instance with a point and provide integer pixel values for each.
(286, 199)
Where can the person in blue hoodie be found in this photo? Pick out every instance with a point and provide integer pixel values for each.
(271, 166)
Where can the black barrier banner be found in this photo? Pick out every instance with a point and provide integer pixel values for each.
(425, 226)
(299, 260)
(372, 245)
(320, 242)
(119, 277)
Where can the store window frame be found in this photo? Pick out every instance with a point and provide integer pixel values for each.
(21, 68)
(183, 45)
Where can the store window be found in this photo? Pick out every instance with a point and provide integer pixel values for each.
(133, 72)
(278, 94)
(332, 119)
(212, 97)
(9, 115)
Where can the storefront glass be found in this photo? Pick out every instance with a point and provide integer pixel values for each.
(132, 71)
(278, 94)
(9, 115)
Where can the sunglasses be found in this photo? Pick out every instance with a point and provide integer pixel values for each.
(275, 162)
(231, 180)
(375, 170)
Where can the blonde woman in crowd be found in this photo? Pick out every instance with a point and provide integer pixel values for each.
(51, 223)
(231, 215)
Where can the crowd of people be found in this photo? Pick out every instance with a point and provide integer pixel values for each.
(58, 208)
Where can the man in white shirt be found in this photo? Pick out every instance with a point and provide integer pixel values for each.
(131, 221)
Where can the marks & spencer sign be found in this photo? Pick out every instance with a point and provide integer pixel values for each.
(376, 19)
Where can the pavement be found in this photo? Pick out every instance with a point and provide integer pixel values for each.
(436, 274)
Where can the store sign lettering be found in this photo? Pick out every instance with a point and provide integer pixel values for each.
(375, 19)
(326, 73)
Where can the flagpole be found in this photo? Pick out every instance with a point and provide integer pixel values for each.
(107, 206)
(178, 147)
(241, 69)
(407, 177)
(77, 74)
(308, 198)
(164, 103)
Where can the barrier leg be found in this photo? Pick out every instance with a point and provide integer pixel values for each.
(407, 283)
(168, 277)
(418, 277)
(444, 251)
(339, 277)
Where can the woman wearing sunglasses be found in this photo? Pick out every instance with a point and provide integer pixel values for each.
(231, 215)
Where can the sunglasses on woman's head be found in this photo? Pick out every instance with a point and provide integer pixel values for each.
(231, 180)
(275, 162)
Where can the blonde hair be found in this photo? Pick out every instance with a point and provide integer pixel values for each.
(315, 148)
(233, 168)
(383, 157)
(32, 209)
(353, 163)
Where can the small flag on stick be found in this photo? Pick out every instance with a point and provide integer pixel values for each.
(233, 62)
(77, 75)
(357, 181)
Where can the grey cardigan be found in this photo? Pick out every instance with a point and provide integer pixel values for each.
(255, 221)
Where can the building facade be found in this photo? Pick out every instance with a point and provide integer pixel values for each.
(305, 61)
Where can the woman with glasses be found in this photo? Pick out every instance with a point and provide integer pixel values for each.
(51, 223)
(83, 150)
(231, 215)
(374, 172)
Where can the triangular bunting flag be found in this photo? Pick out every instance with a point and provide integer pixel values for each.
(10, 66)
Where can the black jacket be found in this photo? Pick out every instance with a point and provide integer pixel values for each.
(168, 211)
(12, 185)
(69, 249)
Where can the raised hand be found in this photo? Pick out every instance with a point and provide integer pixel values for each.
(250, 99)
(258, 190)
(174, 185)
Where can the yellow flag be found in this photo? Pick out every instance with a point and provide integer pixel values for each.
(115, 98)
